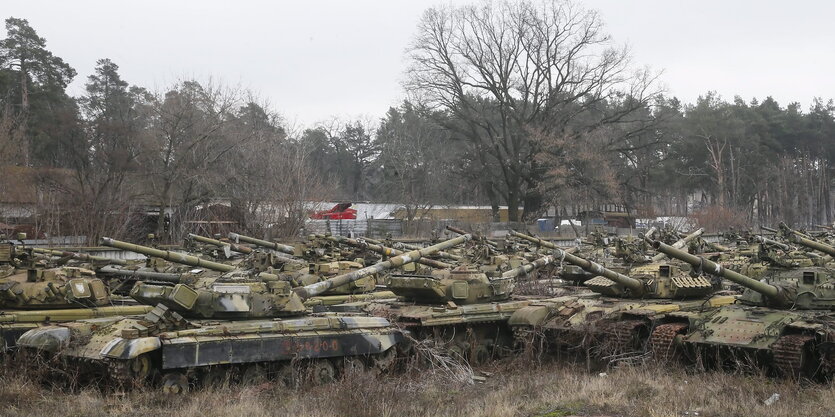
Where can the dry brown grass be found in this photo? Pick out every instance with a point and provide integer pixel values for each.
(516, 388)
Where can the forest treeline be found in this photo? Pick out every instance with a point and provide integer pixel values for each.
(522, 104)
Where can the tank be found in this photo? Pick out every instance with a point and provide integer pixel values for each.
(568, 272)
(614, 322)
(783, 322)
(64, 287)
(408, 246)
(382, 250)
(318, 263)
(249, 336)
(463, 310)
(681, 243)
(55, 295)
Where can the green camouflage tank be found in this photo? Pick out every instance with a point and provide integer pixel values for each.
(783, 322)
(616, 320)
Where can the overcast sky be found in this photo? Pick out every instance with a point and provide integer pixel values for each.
(313, 60)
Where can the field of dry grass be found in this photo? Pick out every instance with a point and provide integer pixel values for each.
(514, 388)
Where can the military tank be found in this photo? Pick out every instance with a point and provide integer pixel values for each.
(569, 272)
(232, 330)
(617, 318)
(382, 250)
(318, 263)
(258, 264)
(228, 248)
(783, 321)
(463, 310)
(37, 296)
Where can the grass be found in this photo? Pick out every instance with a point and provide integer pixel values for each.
(514, 388)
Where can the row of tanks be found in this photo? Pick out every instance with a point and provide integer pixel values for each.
(250, 309)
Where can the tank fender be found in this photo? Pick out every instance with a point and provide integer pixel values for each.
(530, 316)
(49, 339)
(120, 348)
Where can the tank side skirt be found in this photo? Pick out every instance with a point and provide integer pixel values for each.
(206, 351)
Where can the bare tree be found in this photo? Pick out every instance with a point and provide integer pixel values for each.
(191, 133)
(505, 69)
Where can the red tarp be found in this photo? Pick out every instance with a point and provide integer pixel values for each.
(341, 211)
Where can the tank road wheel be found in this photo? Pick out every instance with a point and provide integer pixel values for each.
(480, 354)
(794, 355)
(382, 362)
(140, 367)
(131, 372)
(175, 383)
(352, 365)
(287, 375)
(215, 377)
(662, 342)
(254, 374)
(321, 371)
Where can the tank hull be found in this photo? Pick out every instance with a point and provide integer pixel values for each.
(112, 347)
(792, 343)
(603, 327)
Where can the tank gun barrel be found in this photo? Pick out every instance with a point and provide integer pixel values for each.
(215, 242)
(791, 232)
(812, 244)
(634, 285)
(440, 254)
(772, 242)
(145, 275)
(167, 255)
(528, 267)
(399, 260)
(768, 229)
(263, 243)
(540, 242)
(460, 231)
(680, 243)
(714, 268)
(79, 256)
(383, 250)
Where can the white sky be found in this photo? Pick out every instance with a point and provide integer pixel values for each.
(313, 60)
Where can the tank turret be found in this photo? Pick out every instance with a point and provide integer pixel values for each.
(802, 288)
(651, 281)
(64, 287)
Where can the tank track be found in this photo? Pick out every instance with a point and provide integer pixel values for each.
(788, 353)
(662, 340)
(620, 336)
(119, 374)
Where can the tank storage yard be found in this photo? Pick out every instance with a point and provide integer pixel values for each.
(499, 208)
